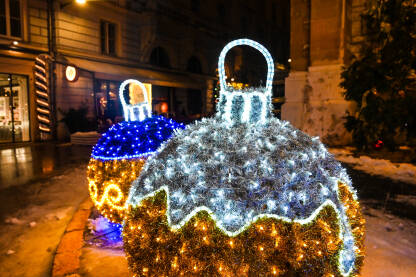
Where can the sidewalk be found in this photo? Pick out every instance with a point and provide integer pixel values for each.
(41, 187)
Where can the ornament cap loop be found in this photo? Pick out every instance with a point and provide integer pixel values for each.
(139, 111)
(255, 45)
(248, 105)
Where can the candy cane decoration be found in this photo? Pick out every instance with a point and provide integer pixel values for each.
(41, 73)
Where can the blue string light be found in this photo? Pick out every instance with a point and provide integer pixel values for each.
(134, 139)
(106, 232)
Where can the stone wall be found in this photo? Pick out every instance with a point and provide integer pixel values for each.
(320, 47)
(356, 35)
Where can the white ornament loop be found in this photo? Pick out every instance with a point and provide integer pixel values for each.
(245, 106)
(256, 45)
(135, 112)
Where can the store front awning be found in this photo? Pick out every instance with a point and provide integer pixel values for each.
(119, 72)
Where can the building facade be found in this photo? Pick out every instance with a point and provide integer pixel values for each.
(323, 36)
(172, 46)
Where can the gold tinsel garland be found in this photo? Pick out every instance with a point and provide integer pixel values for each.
(268, 247)
(109, 183)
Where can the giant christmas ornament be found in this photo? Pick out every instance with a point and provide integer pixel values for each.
(243, 194)
(119, 155)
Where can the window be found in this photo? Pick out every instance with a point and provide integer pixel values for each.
(108, 38)
(194, 101)
(10, 18)
(194, 65)
(221, 12)
(14, 108)
(108, 106)
(195, 4)
(244, 25)
(159, 57)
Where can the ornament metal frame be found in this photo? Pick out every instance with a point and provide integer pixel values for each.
(139, 111)
(150, 213)
(228, 97)
(109, 194)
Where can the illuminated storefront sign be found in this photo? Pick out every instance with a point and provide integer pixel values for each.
(71, 73)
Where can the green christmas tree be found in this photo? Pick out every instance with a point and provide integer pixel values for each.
(381, 78)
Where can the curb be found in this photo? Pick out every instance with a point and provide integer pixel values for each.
(66, 261)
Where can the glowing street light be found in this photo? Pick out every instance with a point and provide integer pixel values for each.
(79, 2)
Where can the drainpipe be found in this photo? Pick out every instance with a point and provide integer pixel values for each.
(342, 37)
(52, 76)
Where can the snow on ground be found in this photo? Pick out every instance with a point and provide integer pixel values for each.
(404, 172)
(30, 235)
(390, 250)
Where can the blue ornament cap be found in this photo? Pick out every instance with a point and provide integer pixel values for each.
(134, 139)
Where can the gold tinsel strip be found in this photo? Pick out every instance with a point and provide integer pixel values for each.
(109, 185)
(269, 247)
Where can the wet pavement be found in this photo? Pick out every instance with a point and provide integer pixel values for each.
(23, 168)
(21, 165)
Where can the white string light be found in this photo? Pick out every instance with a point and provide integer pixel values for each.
(176, 227)
(235, 173)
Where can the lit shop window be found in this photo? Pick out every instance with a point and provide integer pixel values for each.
(107, 103)
(14, 108)
(10, 18)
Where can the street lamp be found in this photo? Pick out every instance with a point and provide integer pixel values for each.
(80, 2)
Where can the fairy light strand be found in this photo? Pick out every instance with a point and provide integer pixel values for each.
(214, 188)
(119, 155)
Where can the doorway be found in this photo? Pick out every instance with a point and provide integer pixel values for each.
(14, 108)
(108, 106)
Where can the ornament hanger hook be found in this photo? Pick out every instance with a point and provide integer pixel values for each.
(138, 111)
(254, 44)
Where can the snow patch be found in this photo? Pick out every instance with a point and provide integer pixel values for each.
(14, 220)
(403, 172)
